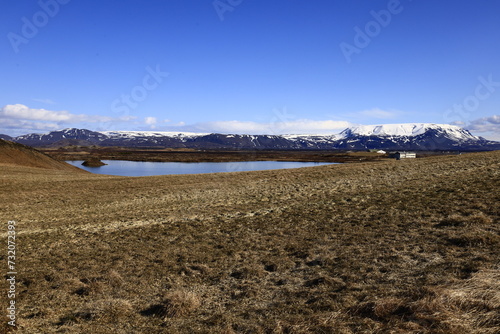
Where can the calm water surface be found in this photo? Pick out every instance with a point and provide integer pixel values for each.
(141, 168)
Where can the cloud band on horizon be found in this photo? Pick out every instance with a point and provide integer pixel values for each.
(16, 119)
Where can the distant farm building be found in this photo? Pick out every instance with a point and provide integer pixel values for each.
(405, 155)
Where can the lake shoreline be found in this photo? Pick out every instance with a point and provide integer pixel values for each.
(151, 168)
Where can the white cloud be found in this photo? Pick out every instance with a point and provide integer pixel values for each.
(19, 111)
(19, 119)
(302, 126)
(19, 124)
(488, 127)
(150, 120)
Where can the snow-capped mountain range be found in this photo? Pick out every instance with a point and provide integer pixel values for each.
(411, 136)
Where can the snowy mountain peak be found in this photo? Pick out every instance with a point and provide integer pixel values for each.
(408, 129)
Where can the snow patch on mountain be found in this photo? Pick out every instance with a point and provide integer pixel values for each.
(409, 130)
(136, 134)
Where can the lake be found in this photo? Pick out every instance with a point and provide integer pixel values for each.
(142, 168)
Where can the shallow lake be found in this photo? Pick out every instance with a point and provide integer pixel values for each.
(142, 168)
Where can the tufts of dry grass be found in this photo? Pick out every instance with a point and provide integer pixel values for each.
(470, 306)
(99, 310)
(175, 304)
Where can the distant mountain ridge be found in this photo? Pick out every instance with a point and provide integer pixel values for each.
(411, 136)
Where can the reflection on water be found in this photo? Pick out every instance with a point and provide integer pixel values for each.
(141, 168)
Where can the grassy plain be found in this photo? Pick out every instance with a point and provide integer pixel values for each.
(409, 246)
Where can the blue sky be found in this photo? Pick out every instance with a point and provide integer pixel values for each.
(248, 66)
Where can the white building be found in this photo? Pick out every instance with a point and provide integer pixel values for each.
(405, 155)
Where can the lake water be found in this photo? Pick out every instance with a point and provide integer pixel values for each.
(141, 168)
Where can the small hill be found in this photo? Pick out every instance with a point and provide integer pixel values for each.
(21, 155)
(93, 162)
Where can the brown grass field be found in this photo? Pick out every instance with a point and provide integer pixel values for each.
(409, 246)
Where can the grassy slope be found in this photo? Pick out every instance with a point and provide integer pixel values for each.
(393, 247)
(14, 154)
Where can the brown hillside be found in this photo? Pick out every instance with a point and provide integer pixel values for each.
(21, 155)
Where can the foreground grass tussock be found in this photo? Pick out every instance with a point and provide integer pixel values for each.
(388, 247)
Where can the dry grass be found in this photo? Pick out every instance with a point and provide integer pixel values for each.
(178, 303)
(14, 154)
(391, 247)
